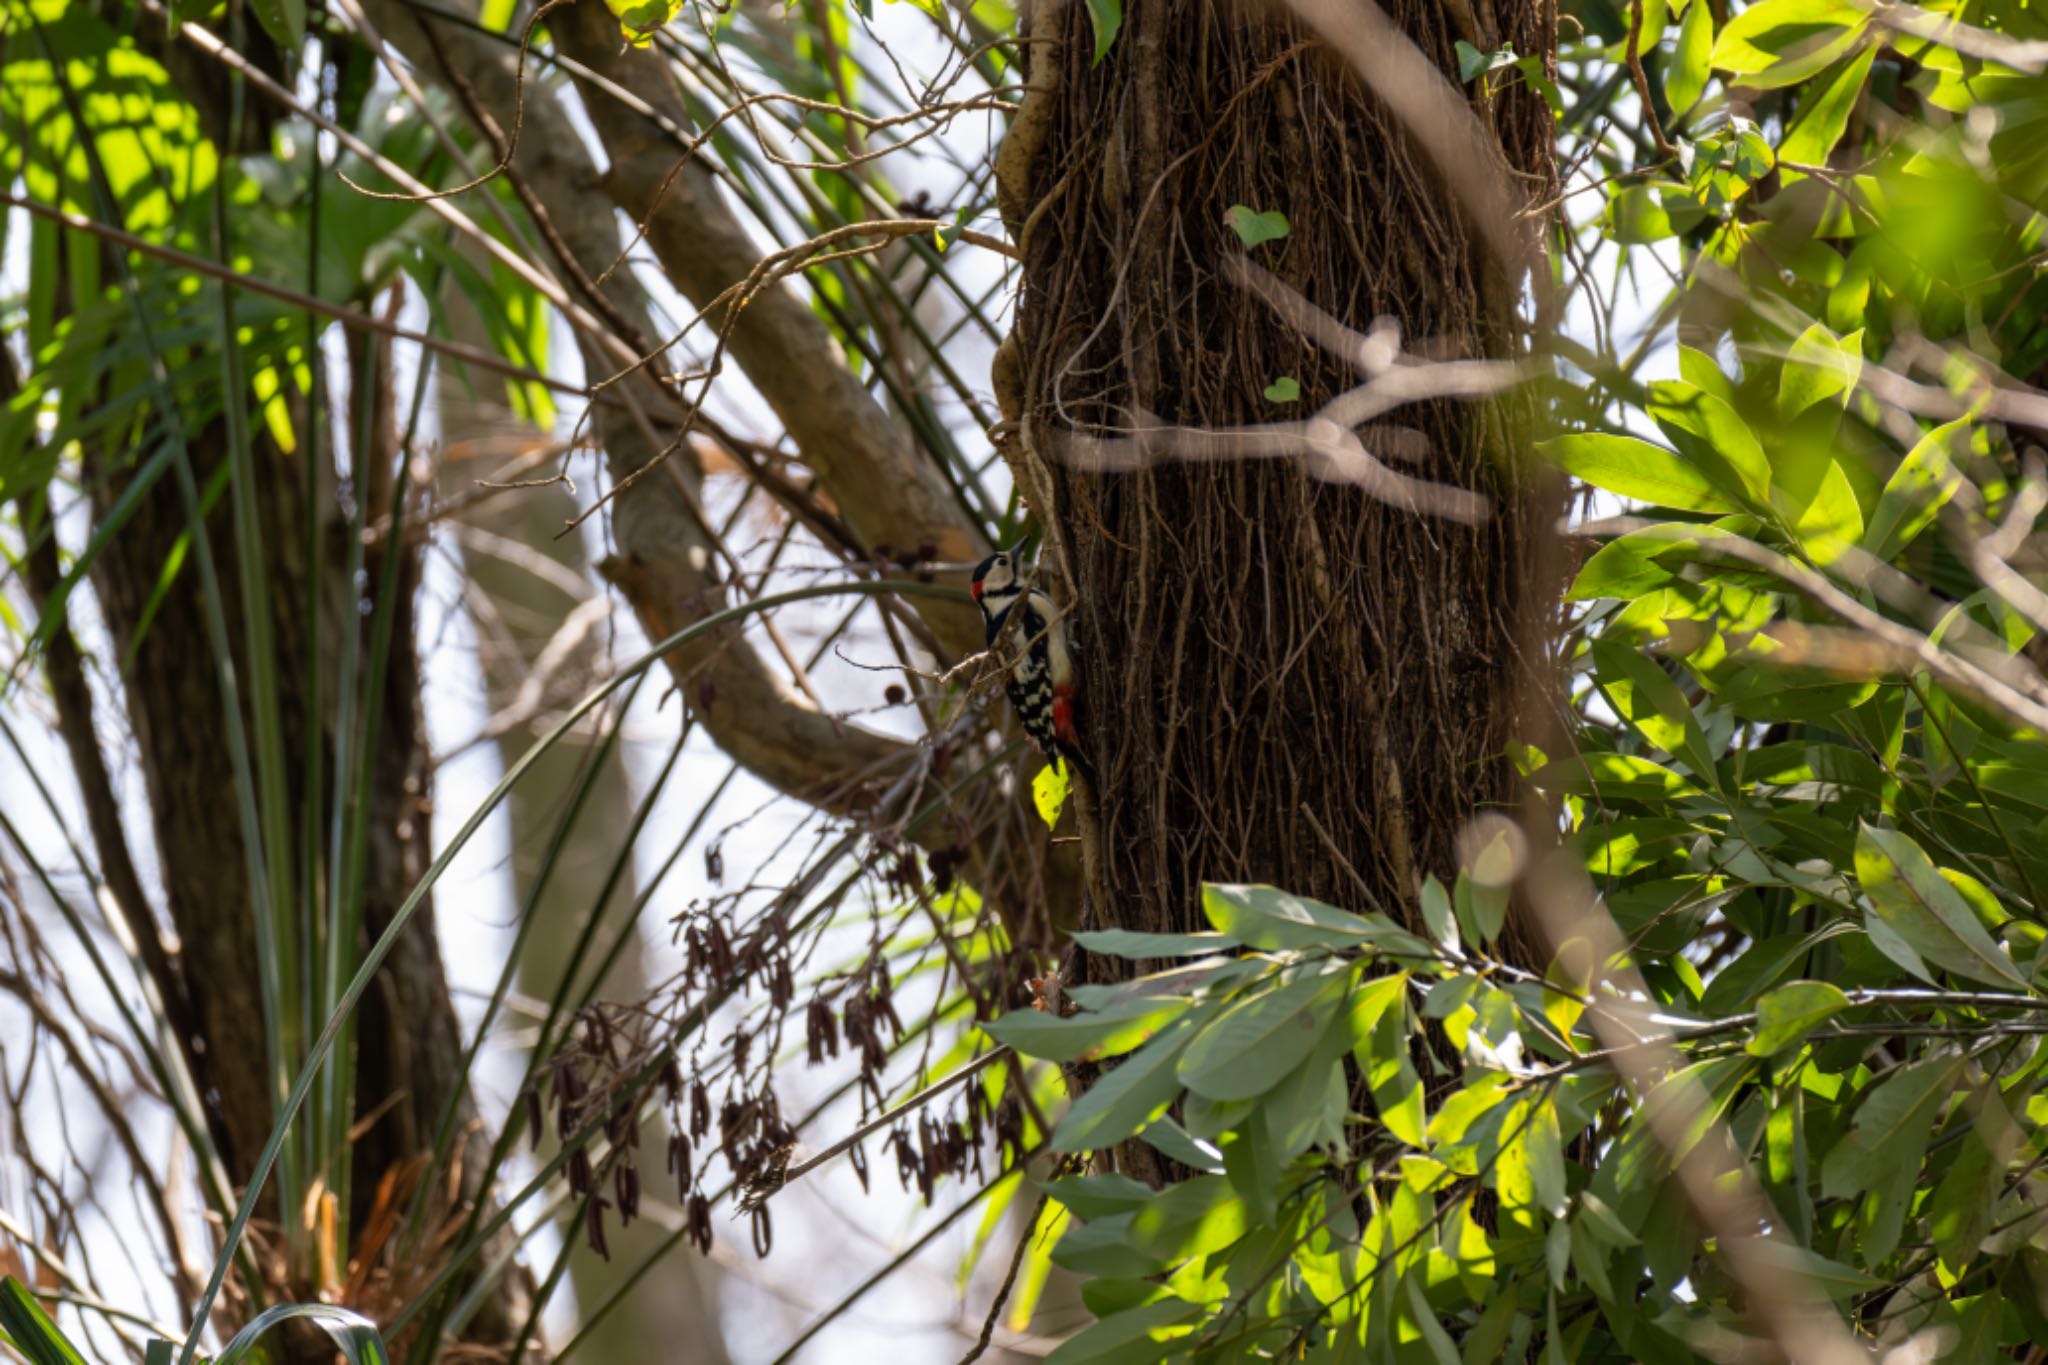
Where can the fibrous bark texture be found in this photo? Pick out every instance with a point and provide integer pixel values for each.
(1288, 681)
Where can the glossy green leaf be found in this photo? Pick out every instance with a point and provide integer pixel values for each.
(1788, 1014)
(1689, 69)
(1129, 943)
(1088, 1035)
(1253, 227)
(1910, 895)
(1127, 1097)
(1825, 114)
(1252, 1045)
(1636, 469)
(1917, 490)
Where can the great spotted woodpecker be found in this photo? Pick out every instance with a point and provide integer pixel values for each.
(1041, 685)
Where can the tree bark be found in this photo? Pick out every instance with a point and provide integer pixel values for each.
(1287, 680)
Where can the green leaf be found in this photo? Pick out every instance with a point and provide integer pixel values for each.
(640, 20)
(1917, 490)
(1107, 1033)
(1472, 62)
(284, 20)
(1127, 1337)
(1100, 1196)
(1546, 1157)
(1390, 1074)
(1285, 389)
(1169, 1139)
(1257, 1041)
(1832, 1278)
(1826, 113)
(1613, 777)
(1819, 367)
(1128, 1097)
(1959, 1215)
(1645, 697)
(1891, 1129)
(1910, 895)
(1636, 469)
(1106, 17)
(1782, 42)
(1713, 435)
(1268, 918)
(1049, 791)
(1789, 1013)
(1252, 227)
(354, 1335)
(1129, 943)
(31, 1329)
(1688, 78)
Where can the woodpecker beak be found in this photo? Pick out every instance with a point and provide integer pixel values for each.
(1016, 552)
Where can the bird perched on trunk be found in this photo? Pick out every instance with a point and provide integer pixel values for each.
(1041, 683)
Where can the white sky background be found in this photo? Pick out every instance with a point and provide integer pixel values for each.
(828, 1233)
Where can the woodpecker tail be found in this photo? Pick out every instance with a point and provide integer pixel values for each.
(1071, 756)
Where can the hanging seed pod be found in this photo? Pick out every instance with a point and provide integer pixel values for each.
(671, 1078)
(579, 1171)
(626, 1187)
(594, 1227)
(714, 865)
(536, 1119)
(699, 1222)
(700, 1110)
(764, 1232)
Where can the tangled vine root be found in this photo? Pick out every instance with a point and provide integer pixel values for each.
(1288, 680)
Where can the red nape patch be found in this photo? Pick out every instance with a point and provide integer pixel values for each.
(1063, 715)
(975, 588)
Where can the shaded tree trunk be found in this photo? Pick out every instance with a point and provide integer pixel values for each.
(1288, 680)
(409, 1051)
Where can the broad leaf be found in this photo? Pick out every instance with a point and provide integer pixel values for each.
(1911, 896)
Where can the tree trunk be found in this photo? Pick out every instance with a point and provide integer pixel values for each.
(1286, 679)
(408, 1046)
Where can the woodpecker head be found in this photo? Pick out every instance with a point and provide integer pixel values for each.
(996, 582)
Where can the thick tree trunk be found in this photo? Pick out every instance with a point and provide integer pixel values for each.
(1287, 680)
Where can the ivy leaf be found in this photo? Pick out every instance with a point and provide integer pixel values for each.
(1472, 62)
(1253, 228)
(1285, 389)
(1789, 1013)
(1911, 896)
(640, 20)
